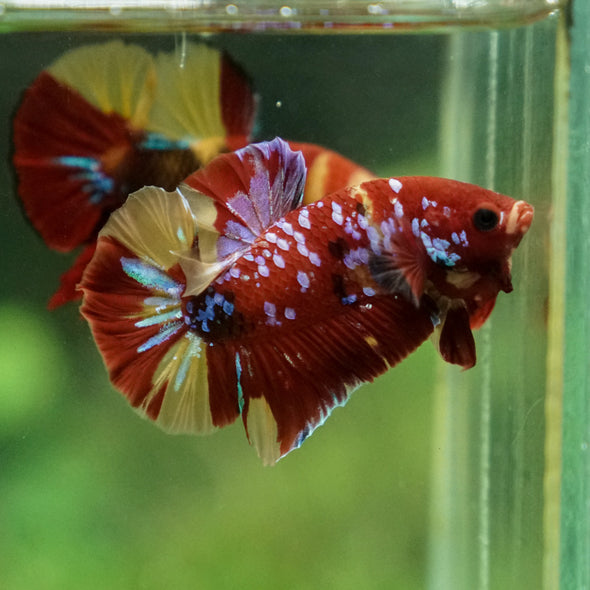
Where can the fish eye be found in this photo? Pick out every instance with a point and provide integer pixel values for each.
(485, 219)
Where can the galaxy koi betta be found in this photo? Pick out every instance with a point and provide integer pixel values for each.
(228, 298)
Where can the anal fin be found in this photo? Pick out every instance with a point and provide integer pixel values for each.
(289, 382)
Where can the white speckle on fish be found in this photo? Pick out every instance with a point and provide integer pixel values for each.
(395, 185)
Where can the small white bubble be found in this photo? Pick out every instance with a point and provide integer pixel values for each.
(231, 9)
(376, 9)
(286, 11)
(279, 104)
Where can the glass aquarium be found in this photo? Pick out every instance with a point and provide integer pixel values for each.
(430, 477)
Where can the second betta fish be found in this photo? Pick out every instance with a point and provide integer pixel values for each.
(228, 298)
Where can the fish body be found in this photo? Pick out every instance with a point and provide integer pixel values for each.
(228, 297)
(106, 119)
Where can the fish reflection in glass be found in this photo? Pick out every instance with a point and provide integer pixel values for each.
(229, 297)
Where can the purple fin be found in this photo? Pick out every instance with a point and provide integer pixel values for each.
(248, 190)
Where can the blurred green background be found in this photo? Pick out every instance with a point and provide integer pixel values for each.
(91, 496)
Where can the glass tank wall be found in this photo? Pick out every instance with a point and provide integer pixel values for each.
(430, 477)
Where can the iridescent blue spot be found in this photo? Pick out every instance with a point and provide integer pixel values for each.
(228, 307)
(349, 299)
(416, 227)
(150, 277)
(193, 350)
(163, 335)
(239, 382)
(78, 162)
(180, 235)
(159, 318)
(160, 302)
(155, 141)
(95, 182)
(437, 250)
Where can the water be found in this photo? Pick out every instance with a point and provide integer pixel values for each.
(429, 478)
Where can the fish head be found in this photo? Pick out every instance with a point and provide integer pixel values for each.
(469, 233)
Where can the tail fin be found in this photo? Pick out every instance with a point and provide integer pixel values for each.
(67, 156)
(132, 300)
(74, 135)
(113, 77)
(204, 99)
(135, 287)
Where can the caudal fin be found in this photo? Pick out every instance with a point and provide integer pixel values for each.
(135, 286)
(203, 98)
(74, 135)
(67, 157)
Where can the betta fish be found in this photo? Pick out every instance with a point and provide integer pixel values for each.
(107, 119)
(228, 297)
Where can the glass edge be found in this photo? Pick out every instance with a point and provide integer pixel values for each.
(299, 17)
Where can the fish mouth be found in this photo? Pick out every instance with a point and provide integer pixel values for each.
(520, 218)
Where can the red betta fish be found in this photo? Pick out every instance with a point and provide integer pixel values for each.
(228, 298)
(105, 120)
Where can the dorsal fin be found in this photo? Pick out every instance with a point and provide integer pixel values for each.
(239, 195)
